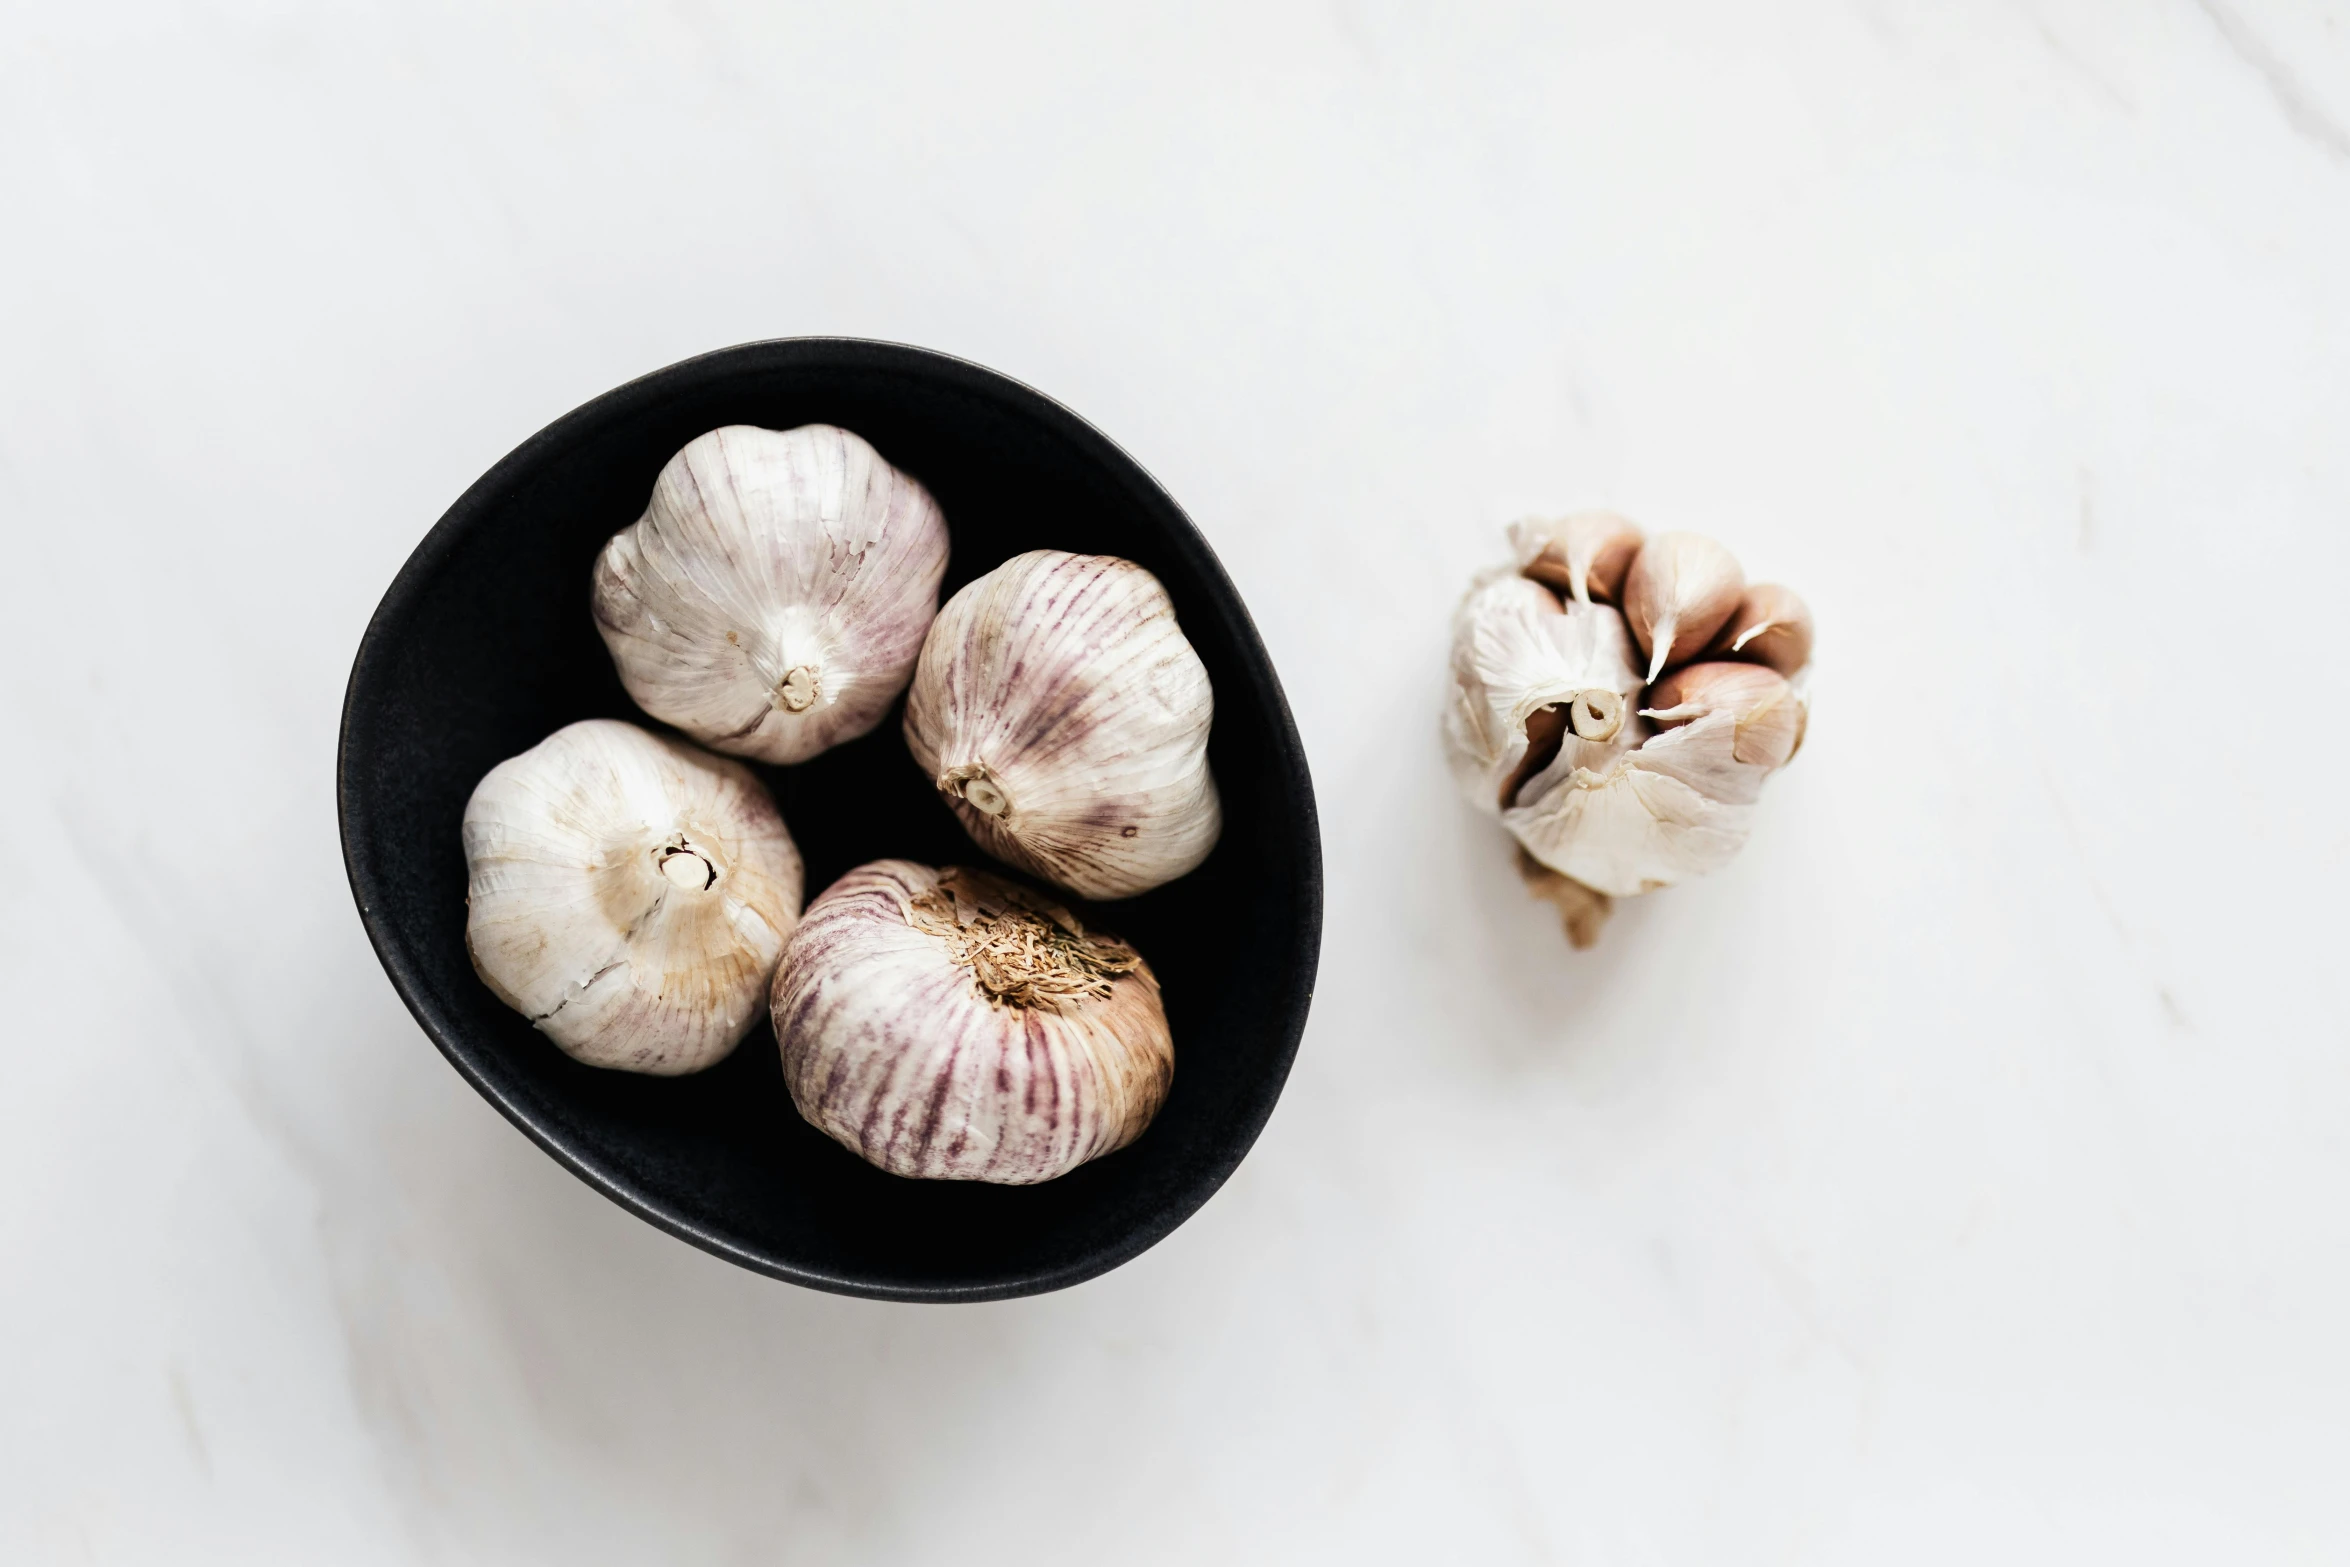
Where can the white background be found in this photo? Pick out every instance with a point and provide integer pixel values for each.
(1962, 1176)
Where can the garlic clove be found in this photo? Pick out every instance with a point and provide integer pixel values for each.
(1771, 626)
(1584, 556)
(1681, 587)
(1582, 911)
(1062, 715)
(951, 1025)
(1539, 689)
(773, 597)
(628, 894)
(1766, 717)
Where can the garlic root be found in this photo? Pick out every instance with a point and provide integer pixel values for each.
(952, 1025)
(1583, 913)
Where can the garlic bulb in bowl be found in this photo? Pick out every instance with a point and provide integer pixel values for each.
(950, 1025)
(482, 648)
(1580, 721)
(772, 598)
(1062, 714)
(629, 895)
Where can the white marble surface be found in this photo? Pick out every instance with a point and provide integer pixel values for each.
(1963, 1176)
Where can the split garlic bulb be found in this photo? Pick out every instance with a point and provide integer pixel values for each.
(949, 1025)
(1579, 720)
(629, 895)
(1063, 716)
(772, 599)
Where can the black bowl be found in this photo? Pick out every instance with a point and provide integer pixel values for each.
(484, 646)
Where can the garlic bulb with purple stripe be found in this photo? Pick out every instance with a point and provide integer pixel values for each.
(1064, 717)
(950, 1025)
(629, 894)
(772, 599)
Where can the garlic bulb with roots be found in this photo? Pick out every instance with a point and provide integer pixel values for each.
(1617, 782)
(952, 1025)
(1062, 715)
(629, 895)
(771, 600)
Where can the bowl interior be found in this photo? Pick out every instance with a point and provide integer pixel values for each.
(484, 645)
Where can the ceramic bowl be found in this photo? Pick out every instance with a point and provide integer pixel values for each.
(484, 645)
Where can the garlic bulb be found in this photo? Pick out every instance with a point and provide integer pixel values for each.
(1679, 591)
(1540, 689)
(1060, 712)
(1612, 783)
(628, 894)
(949, 1025)
(772, 599)
(1584, 556)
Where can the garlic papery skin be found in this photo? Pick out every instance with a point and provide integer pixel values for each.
(1766, 716)
(1539, 689)
(1771, 626)
(773, 598)
(950, 1025)
(1061, 714)
(1584, 556)
(1681, 588)
(1678, 806)
(629, 895)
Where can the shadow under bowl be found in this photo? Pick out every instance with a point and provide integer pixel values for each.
(484, 645)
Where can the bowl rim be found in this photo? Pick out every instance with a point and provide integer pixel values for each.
(1181, 537)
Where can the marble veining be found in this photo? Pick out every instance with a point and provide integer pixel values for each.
(1958, 1176)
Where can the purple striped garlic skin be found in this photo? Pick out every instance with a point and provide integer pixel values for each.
(773, 598)
(1062, 714)
(949, 1025)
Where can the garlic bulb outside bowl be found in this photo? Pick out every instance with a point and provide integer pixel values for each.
(772, 598)
(1618, 703)
(1059, 710)
(629, 895)
(951, 1025)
